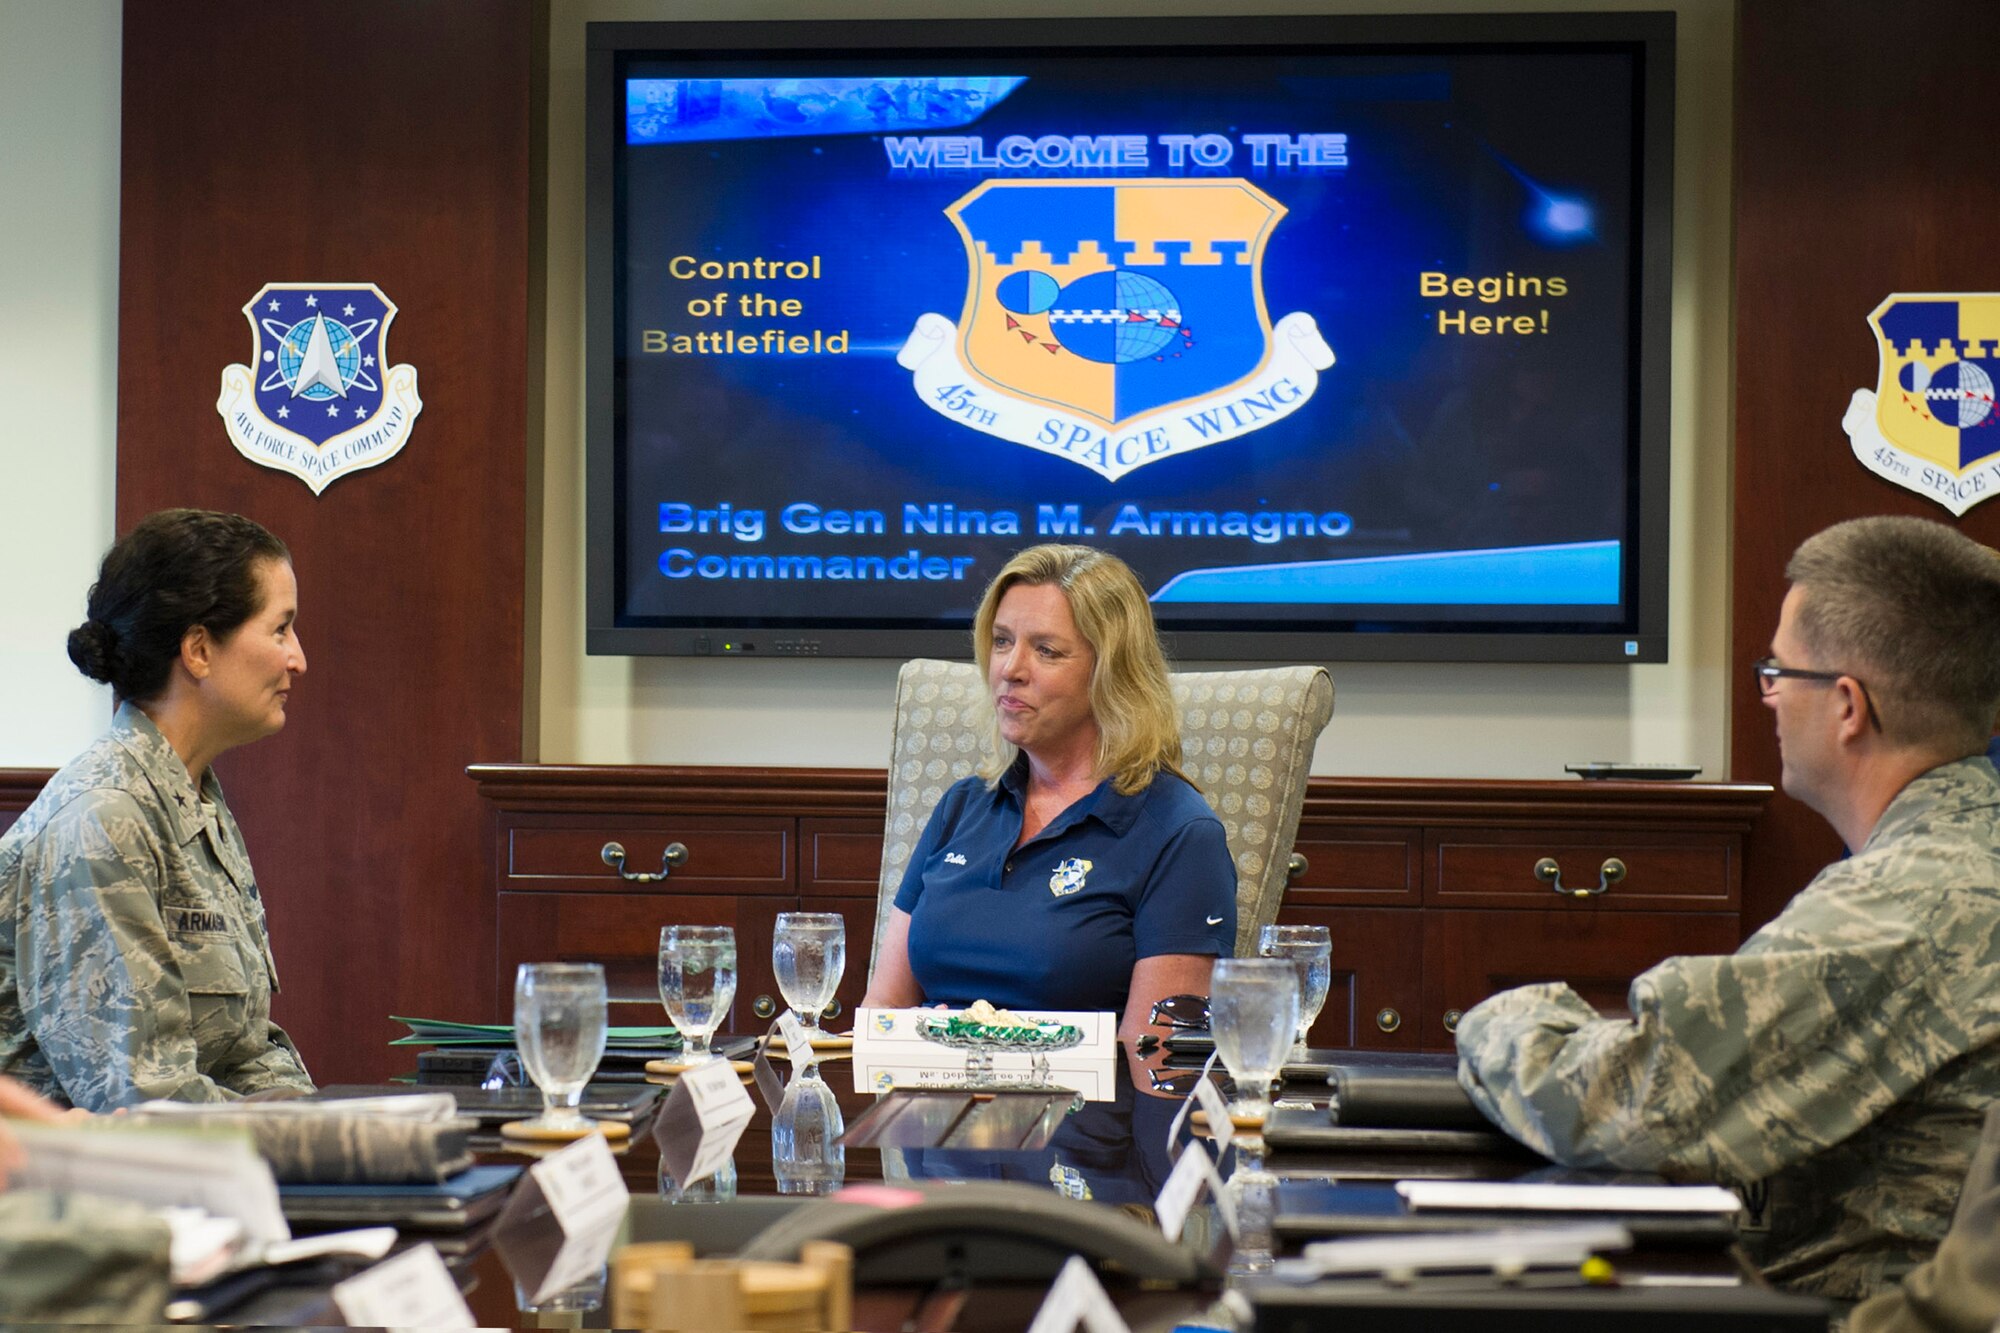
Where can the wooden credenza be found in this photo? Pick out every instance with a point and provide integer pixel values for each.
(1430, 887)
(18, 789)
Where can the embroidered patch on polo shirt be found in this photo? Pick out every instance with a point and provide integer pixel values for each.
(1068, 876)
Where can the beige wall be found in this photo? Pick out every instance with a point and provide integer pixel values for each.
(59, 70)
(1390, 719)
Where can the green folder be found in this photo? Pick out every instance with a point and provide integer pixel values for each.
(444, 1032)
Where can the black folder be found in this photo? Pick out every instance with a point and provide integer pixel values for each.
(492, 1107)
(1421, 1092)
(1320, 1209)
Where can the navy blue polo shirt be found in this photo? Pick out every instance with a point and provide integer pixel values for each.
(1059, 922)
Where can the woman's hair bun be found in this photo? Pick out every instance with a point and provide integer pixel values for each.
(93, 646)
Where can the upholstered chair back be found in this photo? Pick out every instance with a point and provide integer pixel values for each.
(1247, 742)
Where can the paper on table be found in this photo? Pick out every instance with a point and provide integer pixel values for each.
(200, 1245)
(362, 1243)
(1504, 1249)
(217, 1172)
(1502, 1196)
(421, 1106)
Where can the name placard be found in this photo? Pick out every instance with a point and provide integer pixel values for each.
(587, 1198)
(412, 1290)
(703, 1118)
(891, 1051)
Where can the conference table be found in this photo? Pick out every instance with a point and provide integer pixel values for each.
(1112, 1153)
(1109, 1153)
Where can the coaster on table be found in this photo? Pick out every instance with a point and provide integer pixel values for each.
(825, 1041)
(675, 1068)
(550, 1147)
(529, 1132)
(1199, 1119)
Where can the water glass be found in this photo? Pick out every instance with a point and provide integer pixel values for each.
(807, 1155)
(586, 1294)
(1253, 1010)
(809, 952)
(717, 1188)
(559, 1028)
(697, 983)
(1311, 949)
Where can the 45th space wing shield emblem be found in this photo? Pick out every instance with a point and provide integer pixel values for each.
(320, 399)
(1115, 322)
(1930, 424)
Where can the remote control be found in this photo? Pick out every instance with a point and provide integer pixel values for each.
(1604, 768)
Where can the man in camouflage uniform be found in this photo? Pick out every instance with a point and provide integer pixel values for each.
(134, 962)
(1844, 1056)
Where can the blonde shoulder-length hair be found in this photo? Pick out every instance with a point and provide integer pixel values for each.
(1138, 727)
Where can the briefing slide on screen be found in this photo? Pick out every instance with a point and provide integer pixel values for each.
(1330, 339)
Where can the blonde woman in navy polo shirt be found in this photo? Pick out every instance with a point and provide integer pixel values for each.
(1080, 869)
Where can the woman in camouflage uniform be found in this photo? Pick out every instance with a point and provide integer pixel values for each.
(134, 962)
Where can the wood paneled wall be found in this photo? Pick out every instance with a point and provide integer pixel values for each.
(389, 142)
(18, 789)
(386, 142)
(1859, 129)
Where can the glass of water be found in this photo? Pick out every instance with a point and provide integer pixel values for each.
(1253, 1010)
(697, 983)
(559, 1028)
(806, 1153)
(1311, 950)
(809, 952)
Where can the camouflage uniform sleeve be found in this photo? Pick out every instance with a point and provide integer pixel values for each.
(1958, 1290)
(1730, 1067)
(276, 1068)
(99, 986)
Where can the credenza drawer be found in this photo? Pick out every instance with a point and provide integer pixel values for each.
(840, 857)
(621, 932)
(1471, 955)
(1609, 870)
(1356, 866)
(730, 855)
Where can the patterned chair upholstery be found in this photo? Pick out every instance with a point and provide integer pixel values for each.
(1246, 741)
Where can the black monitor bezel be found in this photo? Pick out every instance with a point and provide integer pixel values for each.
(1643, 639)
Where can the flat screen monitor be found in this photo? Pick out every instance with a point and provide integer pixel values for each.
(1348, 334)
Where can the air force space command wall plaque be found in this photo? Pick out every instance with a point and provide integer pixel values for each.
(319, 399)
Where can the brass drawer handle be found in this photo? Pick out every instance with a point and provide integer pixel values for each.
(833, 1010)
(1296, 866)
(1451, 1017)
(614, 856)
(1388, 1019)
(1550, 873)
(763, 1006)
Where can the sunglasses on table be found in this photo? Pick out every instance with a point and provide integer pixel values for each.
(1183, 1013)
(505, 1072)
(1178, 1082)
